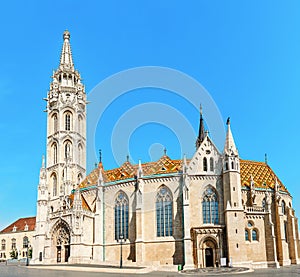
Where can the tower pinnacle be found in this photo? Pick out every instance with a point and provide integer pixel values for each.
(201, 134)
(230, 147)
(66, 60)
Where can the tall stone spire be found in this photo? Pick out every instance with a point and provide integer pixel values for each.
(201, 134)
(66, 60)
(230, 148)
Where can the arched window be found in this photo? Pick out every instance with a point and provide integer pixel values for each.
(54, 153)
(79, 154)
(80, 129)
(25, 242)
(283, 207)
(232, 165)
(204, 164)
(55, 123)
(226, 166)
(164, 212)
(79, 178)
(246, 235)
(68, 121)
(13, 244)
(54, 184)
(121, 216)
(3, 244)
(254, 235)
(210, 207)
(211, 163)
(68, 150)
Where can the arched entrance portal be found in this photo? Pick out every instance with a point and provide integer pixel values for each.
(61, 241)
(208, 255)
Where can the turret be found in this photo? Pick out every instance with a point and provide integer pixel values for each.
(234, 213)
(66, 128)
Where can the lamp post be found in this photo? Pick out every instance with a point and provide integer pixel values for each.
(121, 237)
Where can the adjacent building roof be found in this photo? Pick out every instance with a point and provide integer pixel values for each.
(262, 174)
(25, 224)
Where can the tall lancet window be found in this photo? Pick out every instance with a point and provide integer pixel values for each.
(210, 207)
(204, 164)
(54, 184)
(121, 216)
(68, 121)
(211, 164)
(68, 150)
(164, 212)
(54, 153)
(55, 123)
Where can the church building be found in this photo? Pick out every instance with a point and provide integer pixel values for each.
(204, 211)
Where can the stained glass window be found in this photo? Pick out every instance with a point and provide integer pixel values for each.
(121, 216)
(164, 212)
(210, 207)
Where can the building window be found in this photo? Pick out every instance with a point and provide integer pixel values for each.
(121, 216)
(285, 231)
(55, 123)
(80, 129)
(54, 153)
(232, 165)
(68, 150)
(211, 163)
(68, 121)
(13, 244)
(246, 235)
(3, 245)
(283, 209)
(254, 235)
(54, 183)
(210, 207)
(25, 242)
(164, 212)
(204, 164)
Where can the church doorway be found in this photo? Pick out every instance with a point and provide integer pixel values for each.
(209, 257)
(61, 241)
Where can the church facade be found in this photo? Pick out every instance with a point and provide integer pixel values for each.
(205, 211)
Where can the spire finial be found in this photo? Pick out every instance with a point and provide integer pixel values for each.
(201, 134)
(228, 121)
(127, 158)
(266, 158)
(66, 60)
(66, 34)
(100, 156)
(165, 151)
(230, 148)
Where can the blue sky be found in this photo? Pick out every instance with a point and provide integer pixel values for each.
(245, 53)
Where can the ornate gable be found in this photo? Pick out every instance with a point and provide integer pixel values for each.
(207, 150)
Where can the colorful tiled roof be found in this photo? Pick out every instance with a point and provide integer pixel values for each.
(128, 170)
(262, 174)
(85, 204)
(20, 225)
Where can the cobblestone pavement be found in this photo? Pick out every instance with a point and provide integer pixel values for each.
(23, 271)
(216, 271)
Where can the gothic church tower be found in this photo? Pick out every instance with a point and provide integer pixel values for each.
(66, 129)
